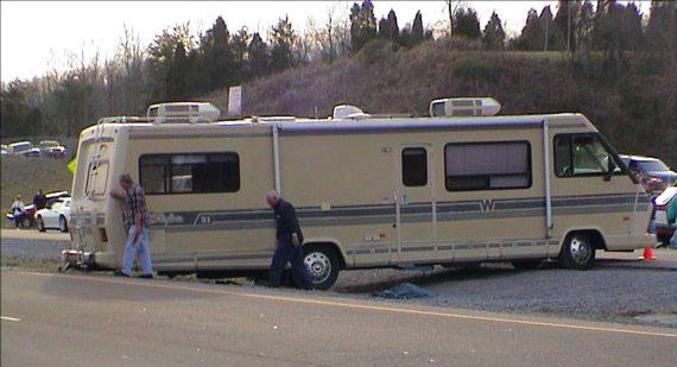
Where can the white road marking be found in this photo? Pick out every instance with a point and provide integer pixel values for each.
(7, 318)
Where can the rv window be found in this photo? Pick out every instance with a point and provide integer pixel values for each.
(153, 170)
(414, 167)
(583, 155)
(97, 177)
(190, 173)
(487, 166)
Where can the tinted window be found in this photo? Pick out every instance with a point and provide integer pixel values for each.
(414, 167)
(653, 166)
(487, 166)
(583, 155)
(190, 173)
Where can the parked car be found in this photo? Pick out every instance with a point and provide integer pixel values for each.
(29, 219)
(654, 175)
(664, 229)
(5, 149)
(52, 149)
(23, 149)
(55, 216)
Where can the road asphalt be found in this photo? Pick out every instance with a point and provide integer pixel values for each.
(84, 320)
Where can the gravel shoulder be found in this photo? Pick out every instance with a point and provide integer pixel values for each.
(620, 288)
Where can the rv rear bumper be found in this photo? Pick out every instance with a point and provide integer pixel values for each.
(73, 257)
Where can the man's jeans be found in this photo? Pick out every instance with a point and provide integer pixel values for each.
(285, 253)
(140, 248)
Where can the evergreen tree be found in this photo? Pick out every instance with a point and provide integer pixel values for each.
(531, 37)
(466, 23)
(362, 25)
(240, 42)
(583, 29)
(259, 56)
(551, 37)
(394, 27)
(383, 28)
(218, 59)
(283, 39)
(565, 20)
(16, 117)
(176, 75)
(417, 34)
(617, 27)
(494, 35)
(160, 58)
(661, 31)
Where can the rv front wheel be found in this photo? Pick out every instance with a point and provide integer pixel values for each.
(323, 265)
(578, 251)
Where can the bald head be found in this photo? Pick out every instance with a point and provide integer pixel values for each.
(272, 197)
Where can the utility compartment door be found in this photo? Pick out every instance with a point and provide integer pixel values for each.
(415, 203)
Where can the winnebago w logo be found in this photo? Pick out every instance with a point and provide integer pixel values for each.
(487, 205)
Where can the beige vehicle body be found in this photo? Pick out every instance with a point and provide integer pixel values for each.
(381, 192)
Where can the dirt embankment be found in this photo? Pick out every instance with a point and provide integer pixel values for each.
(635, 109)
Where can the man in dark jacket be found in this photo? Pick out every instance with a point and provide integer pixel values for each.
(289, 248)
(39, 200)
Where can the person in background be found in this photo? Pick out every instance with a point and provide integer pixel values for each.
(289, 246)
(39, 200)
(135, 217)
(18, 210)
(671, 215)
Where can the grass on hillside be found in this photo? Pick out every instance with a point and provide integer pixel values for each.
(635, 110)
(26, 175)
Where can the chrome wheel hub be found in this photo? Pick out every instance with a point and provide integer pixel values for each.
(319, 266)
(580, 250)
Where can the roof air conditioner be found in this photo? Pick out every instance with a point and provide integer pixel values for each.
(464, 107)
(182, 112)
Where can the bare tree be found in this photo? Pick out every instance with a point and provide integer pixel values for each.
(452, 7)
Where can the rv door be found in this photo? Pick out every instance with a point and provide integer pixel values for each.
(415, 203)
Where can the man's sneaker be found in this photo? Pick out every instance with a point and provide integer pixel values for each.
(146, 276)
(118, 273)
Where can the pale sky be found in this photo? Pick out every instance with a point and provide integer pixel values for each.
(37, 36)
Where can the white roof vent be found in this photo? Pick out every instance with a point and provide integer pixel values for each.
(182, 112)
(464, 107)
(346, 111)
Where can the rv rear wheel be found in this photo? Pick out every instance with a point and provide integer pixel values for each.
(323, 265)
(578, 251)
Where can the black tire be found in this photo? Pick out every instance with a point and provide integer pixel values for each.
(40, 224)
(531, 264)
(578, 251)
(323, 263)
(26, 223)
(664, 240)
(63, 224)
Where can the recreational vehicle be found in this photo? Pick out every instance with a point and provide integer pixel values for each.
(370, 191)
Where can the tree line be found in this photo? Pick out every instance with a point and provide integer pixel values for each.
(178, 65)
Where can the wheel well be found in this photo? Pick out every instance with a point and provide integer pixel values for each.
(597, 239)
(331, 245)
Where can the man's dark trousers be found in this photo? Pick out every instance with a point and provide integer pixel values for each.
(284, 253)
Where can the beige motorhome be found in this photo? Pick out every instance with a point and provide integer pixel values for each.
(370, 191)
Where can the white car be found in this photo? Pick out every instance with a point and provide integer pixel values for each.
(56, 216)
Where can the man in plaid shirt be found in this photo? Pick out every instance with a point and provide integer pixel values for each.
(135, 218)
